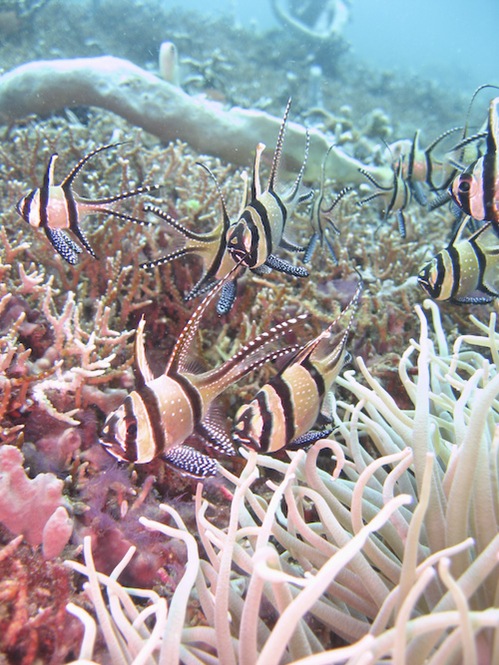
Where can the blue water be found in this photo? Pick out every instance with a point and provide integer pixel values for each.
(453, 41)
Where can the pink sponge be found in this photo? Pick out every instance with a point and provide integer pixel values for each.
(26, 506)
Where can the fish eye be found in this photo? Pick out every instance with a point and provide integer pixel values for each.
(131, 429)
(464, 186)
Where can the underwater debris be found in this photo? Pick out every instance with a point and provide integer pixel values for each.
(45, 86)
(317, 21)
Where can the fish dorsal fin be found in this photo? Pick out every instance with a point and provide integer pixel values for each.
(226, 218)
(68, 180)
(244, 198)
(276, 159)
(297, 183)
(314, 344)
(143, 373)
(48, 178)
(493, 127)
(180, 353)
(256, 185)
(457, 237)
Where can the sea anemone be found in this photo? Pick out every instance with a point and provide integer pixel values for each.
(393, 555)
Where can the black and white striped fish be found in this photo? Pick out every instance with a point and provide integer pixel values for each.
(467, 271)
(476, 190)
(161, 413)
(284, 411)
(57, 209)
(419, 167)
(321, 218)
(249, 241)
(397, 195)
(260, 229)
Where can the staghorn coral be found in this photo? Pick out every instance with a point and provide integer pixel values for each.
(396, 553)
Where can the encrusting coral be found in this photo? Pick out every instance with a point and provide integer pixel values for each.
(396, 552)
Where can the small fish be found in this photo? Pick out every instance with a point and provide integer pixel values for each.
(56, 208)
(397, 195)
(476, 190)
(249, 241)
(283, 412)
(210, 247)
(321, 218)
(260, 229)
(161, 413)
(418, 165)
(467, 271)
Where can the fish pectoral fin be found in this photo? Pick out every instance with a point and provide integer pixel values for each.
(309, 438)
(227, 297)
(215, 436)
(63, 244)
(190, 462)
(290, 245)
(281, 265)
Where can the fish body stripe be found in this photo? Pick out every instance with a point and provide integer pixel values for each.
(283, 410)
(453, 275)
(267, 418)
(489, 193)
(465, 267)
(130, 441)
(71, 207)
(316, 375)
(192, 394)
(284, 391)
(481, 262)
(152, 410)
(264, 218)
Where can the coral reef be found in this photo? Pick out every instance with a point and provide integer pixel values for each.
(32, 507)
(391, 548)
(163, 110)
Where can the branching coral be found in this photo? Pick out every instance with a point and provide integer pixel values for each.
(396, 553)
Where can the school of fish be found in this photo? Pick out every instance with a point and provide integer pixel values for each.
(160, 415)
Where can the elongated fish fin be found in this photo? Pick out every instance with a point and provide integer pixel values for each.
(179, 356)
(226, 218)
(180, 228)
(48, 182)
(459, 231)
(493, 127)
(190, 462)
(294, 193)
(256, 185)
(68, 180)
(143, 373)
(252, 355)
(143, 189)
(276, 159)
(48, 178)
